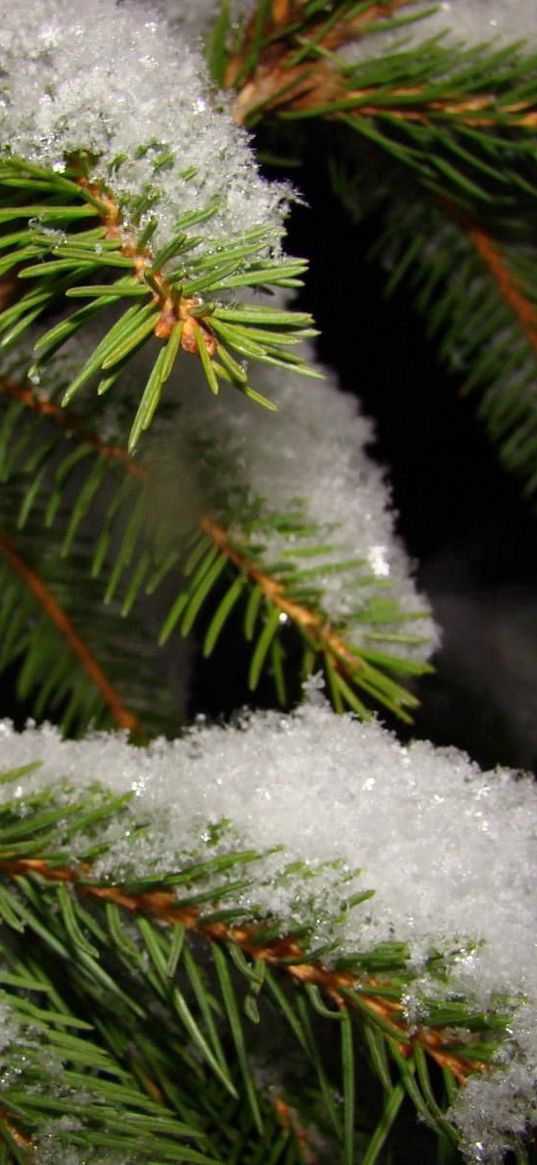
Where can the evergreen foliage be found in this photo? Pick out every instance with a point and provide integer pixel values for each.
(165, 1016)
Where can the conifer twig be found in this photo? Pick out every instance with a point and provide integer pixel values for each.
(346, 662)
(16, 1135)
(345, 987)
(174, 307)
(310, 622)
(290, 1121)
(506, 281)
(46, 407)
(276, 82)
(65, 625)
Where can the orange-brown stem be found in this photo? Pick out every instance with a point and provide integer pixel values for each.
(285, 13)
(276, 83)
(312, 624)
(290, 1121)
(174, 308)
(507, 283)
(66, 627)
(22, 1142)
(279, 953)
(48, 408)
(277, 86)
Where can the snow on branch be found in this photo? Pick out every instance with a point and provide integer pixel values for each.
(115, 82)
(447, 849)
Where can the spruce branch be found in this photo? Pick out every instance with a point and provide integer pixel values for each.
(180, 302)
(278, 33)
(461, 125)
(474, 283)
(77, 916)
(509, 284)
(134, 549)
(75, 657)
(44, 596)
(378, 996)
(191, 969)
(291, 67)
(44, 406)
(347, 666)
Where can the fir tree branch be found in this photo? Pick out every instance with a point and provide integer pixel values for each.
(321, 90)
(290, 24)
(343, 661)
(349, 668)
(16, 1135)
(45, 407)
(509, 286)
(173, 307)
(292, 70)
(42, 593)
(180, 302)
(475, 286)
(368, 994)
(290, 1121)
(50, 672)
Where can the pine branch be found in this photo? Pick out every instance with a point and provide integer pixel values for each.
(290, 67)
(509, 285)
(76, 658)
(135, 549)
(362, 994)
(174, 297)
(474, 283)
(376, 996)
(120, 714)
(282, 27)
(45, 407)
(347, 666)
(459, 122)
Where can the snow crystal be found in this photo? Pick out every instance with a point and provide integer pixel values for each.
(449, 850)
(120, 82)
(484, 1124)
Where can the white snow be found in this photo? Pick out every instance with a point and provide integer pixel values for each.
(110, 79)
(449, 850)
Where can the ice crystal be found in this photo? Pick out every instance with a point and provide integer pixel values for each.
(120, 82)
(448, 850)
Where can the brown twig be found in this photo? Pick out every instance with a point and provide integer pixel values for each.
(66, 627)
(315, 628)
(174, 308)
(508, 285)
(20, 1139)
(71, 424)
(311, 623)
(277, 84)
(279, 953)
(290, 1120)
